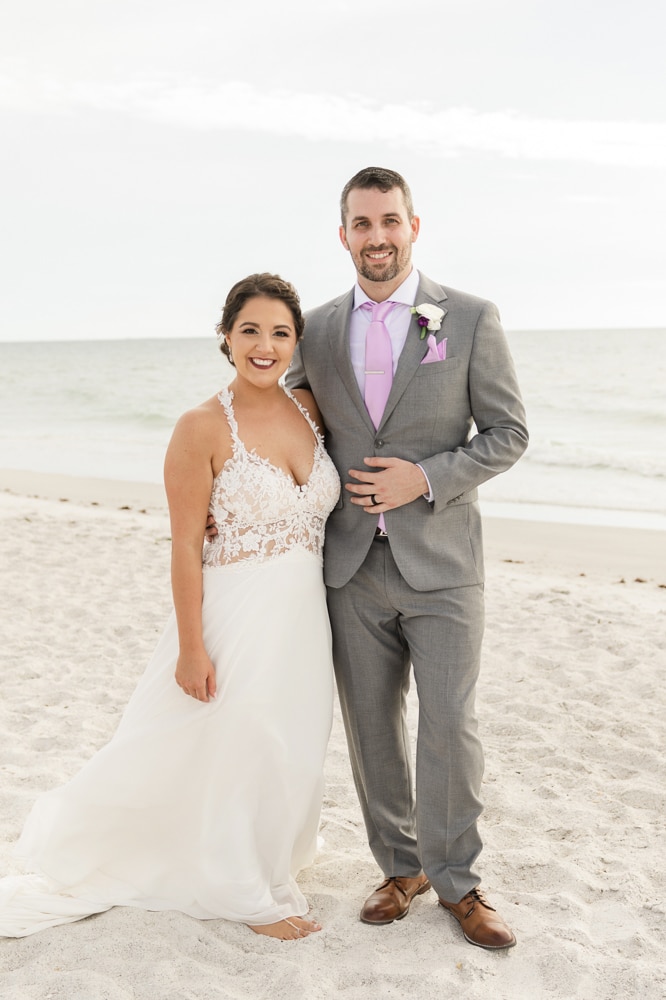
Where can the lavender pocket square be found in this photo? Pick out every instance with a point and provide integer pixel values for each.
(436, 352)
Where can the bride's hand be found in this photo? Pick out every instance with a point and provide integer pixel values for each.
(195, 674)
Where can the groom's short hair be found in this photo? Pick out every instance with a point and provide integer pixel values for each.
(380, 178)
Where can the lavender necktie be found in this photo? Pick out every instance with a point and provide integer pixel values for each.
(378, 360)
(378, 366)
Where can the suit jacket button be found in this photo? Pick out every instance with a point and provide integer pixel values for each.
(379, 443)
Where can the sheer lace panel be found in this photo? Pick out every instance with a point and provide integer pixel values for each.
(259, 510)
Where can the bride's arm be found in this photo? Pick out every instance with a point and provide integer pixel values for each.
(188, 478)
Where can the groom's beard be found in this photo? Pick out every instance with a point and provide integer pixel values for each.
(398, 262)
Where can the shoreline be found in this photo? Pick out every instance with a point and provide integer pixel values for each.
(626, 552)
(621, 555)
(84, 490)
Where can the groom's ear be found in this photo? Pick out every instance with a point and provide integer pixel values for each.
(416, 225)
(343, 237)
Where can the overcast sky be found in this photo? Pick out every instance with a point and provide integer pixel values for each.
(155, 151)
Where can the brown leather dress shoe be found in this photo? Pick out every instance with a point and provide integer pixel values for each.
(391, 901)
(481, 924)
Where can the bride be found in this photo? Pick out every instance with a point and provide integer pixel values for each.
(207, 798)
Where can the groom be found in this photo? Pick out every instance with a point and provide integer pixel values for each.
(421, 406)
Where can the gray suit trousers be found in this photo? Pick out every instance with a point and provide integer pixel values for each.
(380, 624)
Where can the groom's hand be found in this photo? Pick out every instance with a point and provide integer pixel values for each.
(395, 484)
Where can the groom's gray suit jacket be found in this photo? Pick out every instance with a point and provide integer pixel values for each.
(461, 419)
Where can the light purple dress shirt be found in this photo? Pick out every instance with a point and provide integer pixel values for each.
(397, 323)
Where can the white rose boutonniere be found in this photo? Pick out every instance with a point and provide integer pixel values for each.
(430, 317)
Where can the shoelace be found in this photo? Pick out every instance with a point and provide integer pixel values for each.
(476, 896)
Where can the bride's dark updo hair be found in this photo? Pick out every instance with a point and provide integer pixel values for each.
(270, 286)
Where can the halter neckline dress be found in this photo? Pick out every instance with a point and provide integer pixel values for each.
(208, 808)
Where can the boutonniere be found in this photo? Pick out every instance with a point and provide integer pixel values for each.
(430, 317)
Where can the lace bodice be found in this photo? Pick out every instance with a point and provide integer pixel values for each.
(259, 510)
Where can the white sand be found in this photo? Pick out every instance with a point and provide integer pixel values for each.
(571, 704)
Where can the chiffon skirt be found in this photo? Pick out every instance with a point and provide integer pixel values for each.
(207, 808)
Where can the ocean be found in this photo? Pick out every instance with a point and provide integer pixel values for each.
(595, 399)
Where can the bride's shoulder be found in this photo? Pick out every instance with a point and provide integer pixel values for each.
(202, 422)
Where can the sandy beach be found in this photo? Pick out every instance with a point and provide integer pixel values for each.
(572, 717)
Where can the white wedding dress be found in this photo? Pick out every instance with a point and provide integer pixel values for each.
(208, 808)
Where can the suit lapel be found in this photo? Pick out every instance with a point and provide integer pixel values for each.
(415, 349)
(338, 332)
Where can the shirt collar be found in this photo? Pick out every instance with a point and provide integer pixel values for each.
(404, 293)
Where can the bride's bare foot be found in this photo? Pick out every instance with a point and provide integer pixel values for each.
(289, 929)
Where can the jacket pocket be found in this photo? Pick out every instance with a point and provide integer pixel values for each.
(438, 369)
